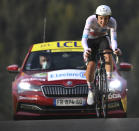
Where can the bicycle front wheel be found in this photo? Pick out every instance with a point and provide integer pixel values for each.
(97, 94)
(104, 98)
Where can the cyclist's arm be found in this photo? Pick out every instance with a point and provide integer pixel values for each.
(86, 33)
(113, 40)
(113, 32)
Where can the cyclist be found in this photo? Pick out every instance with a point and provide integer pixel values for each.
(95, 36)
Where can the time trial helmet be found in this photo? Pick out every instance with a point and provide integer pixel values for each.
(103, 10)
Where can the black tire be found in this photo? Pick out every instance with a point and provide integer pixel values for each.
(96, 91)
(98, 96)
(104, 95)
(98, 106)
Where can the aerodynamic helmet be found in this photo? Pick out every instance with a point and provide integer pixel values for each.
(103, 10)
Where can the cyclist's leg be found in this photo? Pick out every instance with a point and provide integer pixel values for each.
(105, 45)
(91, 62)
(90, 78)
(90, 73)
(108, 63)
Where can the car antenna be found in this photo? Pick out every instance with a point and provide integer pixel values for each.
(44, 30)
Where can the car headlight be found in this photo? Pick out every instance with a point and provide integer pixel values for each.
(24, 86)
(115, 85)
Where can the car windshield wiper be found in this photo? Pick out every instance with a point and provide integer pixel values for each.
(81, 67)
(33, 69)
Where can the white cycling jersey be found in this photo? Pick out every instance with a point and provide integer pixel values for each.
(93, 30)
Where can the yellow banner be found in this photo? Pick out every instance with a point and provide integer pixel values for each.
(58, 46)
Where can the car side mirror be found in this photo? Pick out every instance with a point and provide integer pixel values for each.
(124, 66)
(13, 68)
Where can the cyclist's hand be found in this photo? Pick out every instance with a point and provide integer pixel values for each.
(118, 52)
(86, 54)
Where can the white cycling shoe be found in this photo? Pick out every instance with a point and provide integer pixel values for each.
(90, 98)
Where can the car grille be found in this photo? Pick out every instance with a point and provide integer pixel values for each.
(61, 91)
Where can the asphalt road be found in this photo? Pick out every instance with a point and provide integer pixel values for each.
(113, 124)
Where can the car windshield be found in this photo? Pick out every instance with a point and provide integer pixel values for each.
(43, 60)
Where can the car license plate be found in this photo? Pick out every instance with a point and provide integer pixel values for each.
(70, 102)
